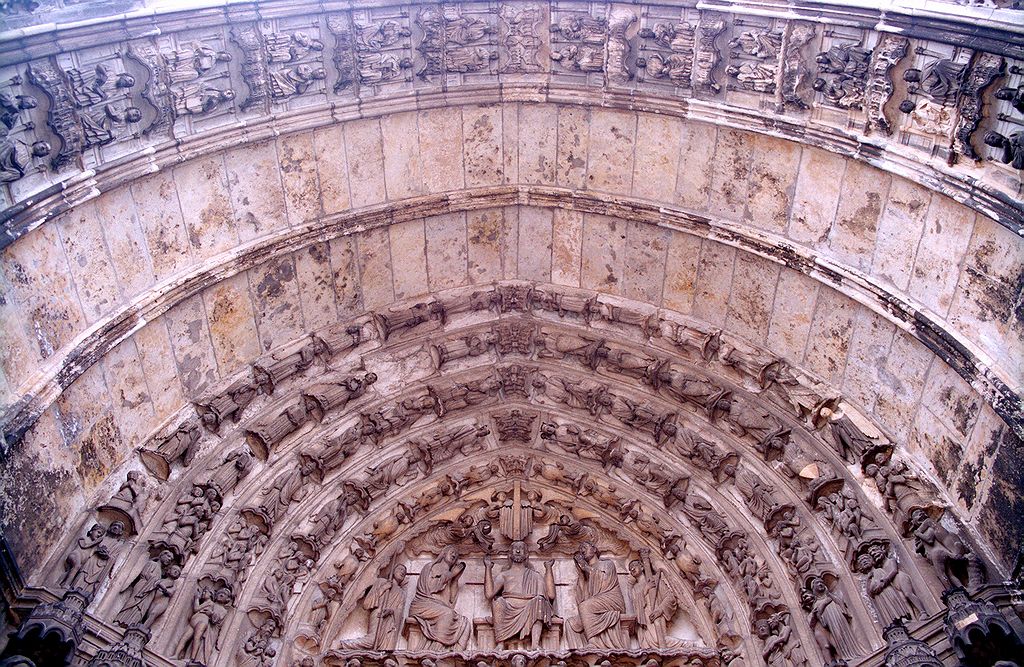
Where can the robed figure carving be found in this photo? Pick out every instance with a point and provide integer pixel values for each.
(521, 597)
(654, 603)
(385, 600)
(599, 601)
(433, 605)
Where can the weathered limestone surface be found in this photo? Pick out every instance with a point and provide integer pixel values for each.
(64, 276)
(675, 295)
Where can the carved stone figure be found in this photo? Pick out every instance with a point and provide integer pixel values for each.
(946, 551)
(385, 601)
(608, 451)
(323, 397)
(775, 633)
(233, 469)
(1015, 96)
(332, 517)
(754, 76)
(201, 639)
(180, 445)
(654, 603)
(899, 487)
(1011, 147)
(844, 70)
(831, 623)
(433, 605)
(521, 597)
(92, 558)
(677, 65)
(586, 48)
(227, 404)
(149, 594)
(599, 602)
(939, 79)
(245, 543)
(189, 521)
(126, 504)
(889, 587)
(293, 81)
(289, 488)
(794, 70)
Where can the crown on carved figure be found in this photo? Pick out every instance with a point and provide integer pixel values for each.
(514, 425)
(514, 466)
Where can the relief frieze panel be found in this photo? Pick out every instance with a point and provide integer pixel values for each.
(184, 80)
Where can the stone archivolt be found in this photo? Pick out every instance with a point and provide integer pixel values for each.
(664, 480)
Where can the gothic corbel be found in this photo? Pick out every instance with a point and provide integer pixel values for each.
(127, 504)
(180, 445)
(708, 56)
(342, 55)
(984, 69)
(255, 72)
(61, 117)
(795, 72)
(890, 51)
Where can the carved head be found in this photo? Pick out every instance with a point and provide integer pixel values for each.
(518, 660)
(96, 531)
(865, 562)
(165, 558)
(116, 529)
(40, 149)
(132, 115)
(517, 552)
(222, 596)
(399, 574)
(912, 75)
(174, 571)
(636, 569)
(588, 551)
(449, 555)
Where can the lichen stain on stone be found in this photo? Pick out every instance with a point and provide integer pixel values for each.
(32, 514)
(98, 451)
(272, 285)
(1002, 516)
(318, 252)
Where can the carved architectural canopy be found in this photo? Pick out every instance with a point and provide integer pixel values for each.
(511, 334)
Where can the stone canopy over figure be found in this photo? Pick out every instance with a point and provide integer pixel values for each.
(521, 598)
(433, 605)
(599, 602)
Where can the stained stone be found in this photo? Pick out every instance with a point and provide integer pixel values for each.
(513, 335)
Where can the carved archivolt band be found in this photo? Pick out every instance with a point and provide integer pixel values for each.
(632, 430)
(992, 382)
